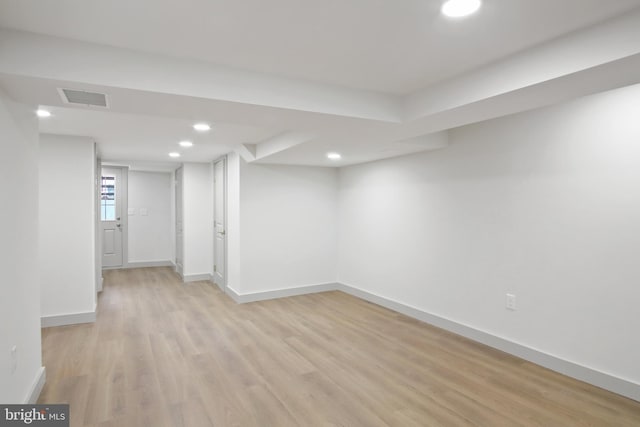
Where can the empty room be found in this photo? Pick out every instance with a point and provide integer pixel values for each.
(315, 213)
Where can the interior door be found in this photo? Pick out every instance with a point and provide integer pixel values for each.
(219, 222)
(179, 230)
(110, 217)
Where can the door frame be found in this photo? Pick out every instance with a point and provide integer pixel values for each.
(178, 184)
(124, 213)
(98, 220)
(223, 159)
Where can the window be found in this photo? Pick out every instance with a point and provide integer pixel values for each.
(108, 199)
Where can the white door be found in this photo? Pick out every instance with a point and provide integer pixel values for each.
(110, 217)
(219, 222)
(179, 231)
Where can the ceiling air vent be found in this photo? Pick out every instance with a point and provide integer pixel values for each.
(81, 97)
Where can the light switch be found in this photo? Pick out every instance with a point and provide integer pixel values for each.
(143, 211)
(131, 211)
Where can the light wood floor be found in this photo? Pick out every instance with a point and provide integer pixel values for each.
(167, 354)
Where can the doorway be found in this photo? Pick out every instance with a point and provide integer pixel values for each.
(220, 222)
(113, 200)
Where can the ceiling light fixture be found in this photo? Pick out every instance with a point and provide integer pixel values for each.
(43, 113)
(334, 156)
(186, 144)
(174, 154)
(201, 127)
(460, 8)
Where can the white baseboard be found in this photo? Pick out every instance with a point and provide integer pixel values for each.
(68, 319)
(234, 295)
(196, 277)
(199, 278)
(280, 293)
(145, 264)
(565, 367)
(220, 285)
(36, 387)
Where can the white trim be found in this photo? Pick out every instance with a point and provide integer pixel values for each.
(98, 220)
(235, 296)
(219, 285)
(124, 214)
(142, 264)
(565, 367)
(145, 264)
(36, 388)
(178, 184)
(225, 178)
(196, 278)
(68, 319)
(280, 293)
(100, 284)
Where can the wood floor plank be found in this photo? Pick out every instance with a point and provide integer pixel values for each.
(164, 353)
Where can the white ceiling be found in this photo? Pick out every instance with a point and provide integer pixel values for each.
(141, 137)
(293, 79)
(395, 46)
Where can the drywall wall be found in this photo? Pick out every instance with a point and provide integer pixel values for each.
(543, 205)
(150, 216)
(197, 199)
(20, 302)
(98, 238)
(172, 226)
(67, 225)
(233, 221)
(288, 226)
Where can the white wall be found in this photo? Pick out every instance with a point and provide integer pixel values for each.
(544, 205)
(150, 224)
(97, 256)
(198, 219)
(288, 226)
(66, 223)
(20, 302)
(233, 235)
(172, 226)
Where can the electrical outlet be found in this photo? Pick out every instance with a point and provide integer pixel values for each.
(511, 302)
(14, 359)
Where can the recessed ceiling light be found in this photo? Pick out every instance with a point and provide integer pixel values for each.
(186, 143)
(460, 8)
(334, 156)
(43, 113)
(201, 127)
(174, 154)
